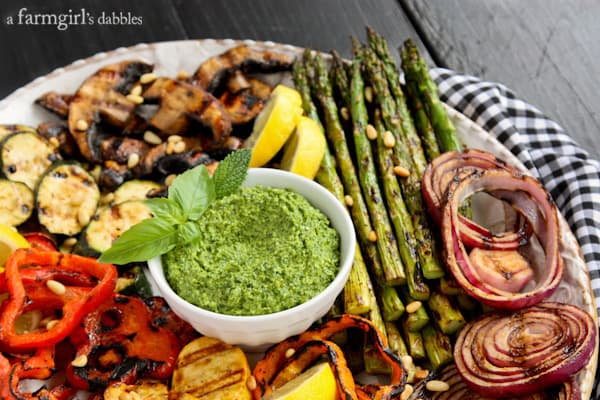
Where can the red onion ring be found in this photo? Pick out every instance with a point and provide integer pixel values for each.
(451, 166)
(459, 390)
(514, 354)
(544, 222)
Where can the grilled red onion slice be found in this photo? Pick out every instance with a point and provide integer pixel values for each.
(459, 390)
(544, 222)
(502, 354)
(451, 166)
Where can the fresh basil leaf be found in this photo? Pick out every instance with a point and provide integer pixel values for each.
(193, 191)
(166, 209)
(143, 241)
(188, 232)
(231, 172)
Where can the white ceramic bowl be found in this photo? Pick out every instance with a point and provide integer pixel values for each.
(258, 332)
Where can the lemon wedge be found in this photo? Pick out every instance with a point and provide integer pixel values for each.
(316, 383)
(10, 240)
(274, 125)
(304, 150)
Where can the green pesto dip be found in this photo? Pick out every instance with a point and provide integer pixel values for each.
(262, 250)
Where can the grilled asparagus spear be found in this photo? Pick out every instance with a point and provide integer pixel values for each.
(357, 299)
(411, 185)
(447, 317)
(421, 121)
(437, 347)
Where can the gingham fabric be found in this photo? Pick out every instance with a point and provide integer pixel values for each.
(567, 171)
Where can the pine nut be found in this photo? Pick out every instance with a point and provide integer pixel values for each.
(137, 99)
(401, 171)
(407, 361)
(136, 90)
(179, 147)
(421, 373)
(349, 200)
(148, 77)
(95, 172)
(388, 139)
(413, 307)
(289, 352)
(182, 75)
(107, 198)
(82, 125)
(345, 113)
(152, 138)
(133, 160)
(251, 382)
(70, 242)
(80, 361)
(56, 287)
(437, 386)
(170, 148)
(371, 132)
(169, 179)
(83, 217)
(407, 392)
(54, 142)
(368, 94)
(51, 324)
(372, 236)
(174, 139)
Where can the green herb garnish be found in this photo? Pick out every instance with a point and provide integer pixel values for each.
(174, 221)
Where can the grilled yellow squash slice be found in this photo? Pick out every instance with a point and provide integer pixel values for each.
(209, 369)
(142, 390)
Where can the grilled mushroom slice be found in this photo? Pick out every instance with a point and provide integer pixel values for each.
(102, 96)
(56, 103)
(211, 73)
(180, 103)
(242, 107)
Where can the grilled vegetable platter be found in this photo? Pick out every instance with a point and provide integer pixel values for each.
(441, 304)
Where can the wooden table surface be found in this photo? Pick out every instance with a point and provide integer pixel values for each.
(545, 50)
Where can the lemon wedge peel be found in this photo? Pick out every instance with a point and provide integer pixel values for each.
(316, 382)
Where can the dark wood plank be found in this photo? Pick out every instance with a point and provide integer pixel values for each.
(545, 50)
(34, 50)
(319, 24)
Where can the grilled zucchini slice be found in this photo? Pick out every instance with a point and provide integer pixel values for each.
(109, 224)
(16, 202)
(144, 390)
(209, 369)
(66, 198)
(24, 156)
(6, 130)
(134, 190)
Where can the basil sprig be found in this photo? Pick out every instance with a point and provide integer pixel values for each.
(174, 221)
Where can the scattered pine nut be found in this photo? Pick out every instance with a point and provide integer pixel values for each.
(169, 179)
(174, 139)
(372, 236)
(136, 90)
(407, 361)
(388, 139)
(51, 324)
(371, 132)
(83, 217)
(148, 77)
(179, 147)
(56, 287)
(182, 75)
(133, 160)
(82, 125)
(107, 198)
(345, 113)
(368, 94)
(421, 373)
(137, 99)
(407, 392)
(289, 352)
(95, 172)
(54, 142)
(152, 138)
(251, 382)
(80, 361)
(437, 386)
(349, 200)
(413, 307)
(401, 171)
(70, 242)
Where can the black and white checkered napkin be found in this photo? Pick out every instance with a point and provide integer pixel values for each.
(567, 171)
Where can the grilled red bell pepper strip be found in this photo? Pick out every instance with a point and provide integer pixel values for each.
(122, 342)
(76, 301)
(40, 241)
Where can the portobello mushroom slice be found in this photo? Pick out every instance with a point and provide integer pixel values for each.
(242, 107)
(25, 155)
(180, 102)
(56, 103)
(102, 97)
(212, 73)
(16, 202)
(66, 198)
(60, 131)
